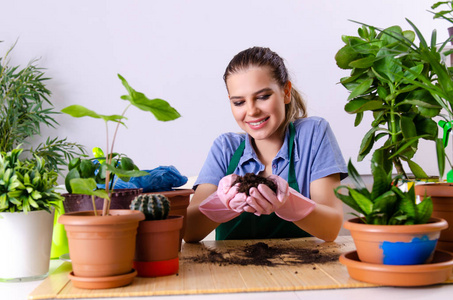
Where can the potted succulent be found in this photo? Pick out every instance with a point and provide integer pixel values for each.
(27, 202)
(390, 227)
(101, 262)
(158, 237)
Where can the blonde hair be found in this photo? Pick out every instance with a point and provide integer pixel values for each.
(264, 57)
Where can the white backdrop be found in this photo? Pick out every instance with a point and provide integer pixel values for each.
(178, 51)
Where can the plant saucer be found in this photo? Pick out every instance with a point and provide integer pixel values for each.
(438, 271)
(102, 282)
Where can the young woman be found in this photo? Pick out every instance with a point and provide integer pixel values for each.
(298, 153)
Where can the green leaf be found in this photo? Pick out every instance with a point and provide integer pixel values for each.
(361, 89)
(367, 142)
(347, 199)
(74, 173)
(361, 105)
(365, 204)
(407, 127)
(79, 111)
(126, 173)
(440, 151)
(363, 63)
(416, 169)
(161, 109)
(424, 211)
(344, 56)
(87, 186)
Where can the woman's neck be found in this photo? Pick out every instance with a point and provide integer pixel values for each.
(267, 149)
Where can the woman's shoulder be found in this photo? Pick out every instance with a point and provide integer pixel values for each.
(229, 140)
(311, 123)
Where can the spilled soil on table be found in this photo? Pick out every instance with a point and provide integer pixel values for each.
(261, 254)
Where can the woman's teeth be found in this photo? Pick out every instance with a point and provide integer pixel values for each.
(257, 123)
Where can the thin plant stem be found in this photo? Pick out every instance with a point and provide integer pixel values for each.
(94, 205)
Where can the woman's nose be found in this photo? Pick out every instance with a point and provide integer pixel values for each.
(252, 109)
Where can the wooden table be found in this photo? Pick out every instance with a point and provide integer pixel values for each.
(230, 267)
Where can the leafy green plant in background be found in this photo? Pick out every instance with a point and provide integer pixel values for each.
(161, 109)
(383, 82)
(23, 95)
(446, 11)
(385, 204)
(26, 185)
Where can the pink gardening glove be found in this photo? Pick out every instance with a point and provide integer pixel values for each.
(287, 203)
(229, 194)
(213, 208)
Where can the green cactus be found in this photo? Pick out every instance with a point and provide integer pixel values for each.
(154, 206)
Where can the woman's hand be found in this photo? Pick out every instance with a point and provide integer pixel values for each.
(287, 203)
(228, 194)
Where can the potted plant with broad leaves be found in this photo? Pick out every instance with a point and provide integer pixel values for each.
(28, 199)
(92, 267)
(158, 237)
(96, 168)
(385, 84)
(439, 84)
(391, 232)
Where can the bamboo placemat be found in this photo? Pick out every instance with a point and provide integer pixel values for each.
(207, 268)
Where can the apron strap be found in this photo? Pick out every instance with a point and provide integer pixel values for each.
(234, 162)
(292, 181)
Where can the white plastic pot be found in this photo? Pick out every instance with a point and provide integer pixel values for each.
(25, 243)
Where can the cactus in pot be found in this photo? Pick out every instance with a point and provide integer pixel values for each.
(158, 237)
(153, 206)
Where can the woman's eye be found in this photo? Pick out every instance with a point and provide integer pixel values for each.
(264, 97)
(238, 103)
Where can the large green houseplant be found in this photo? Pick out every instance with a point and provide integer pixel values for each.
(87, 274)
(404, 86)
(28, 198)
(385, 83)
(23, 100)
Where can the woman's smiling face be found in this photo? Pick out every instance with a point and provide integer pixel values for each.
(258, 102)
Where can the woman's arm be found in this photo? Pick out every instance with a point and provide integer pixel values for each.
(326, 219)
(198, 226)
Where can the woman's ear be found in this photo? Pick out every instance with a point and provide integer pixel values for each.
(287, 90)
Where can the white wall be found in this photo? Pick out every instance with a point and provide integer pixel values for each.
(178, 50)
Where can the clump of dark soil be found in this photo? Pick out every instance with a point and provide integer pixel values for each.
(261, 254)
(250, 180)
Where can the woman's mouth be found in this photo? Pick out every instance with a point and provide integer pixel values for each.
(257, 124)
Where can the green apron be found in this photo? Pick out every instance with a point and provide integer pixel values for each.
(250, 226)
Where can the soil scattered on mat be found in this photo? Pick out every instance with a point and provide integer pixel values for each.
(261, 254)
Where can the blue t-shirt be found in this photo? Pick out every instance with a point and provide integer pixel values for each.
(316, 155)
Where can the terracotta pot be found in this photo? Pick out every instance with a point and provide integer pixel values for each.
(395, 244)
(101, 245)
(442, 197)
(157, 247)
(179, 201)
(121, 199)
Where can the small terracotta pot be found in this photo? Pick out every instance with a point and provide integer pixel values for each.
(157, 247)
(179, 201)
(101, 245)
(442, 196)
(395, 244)
(120, 199)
